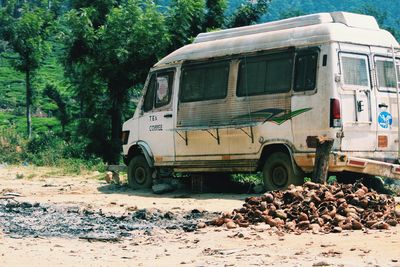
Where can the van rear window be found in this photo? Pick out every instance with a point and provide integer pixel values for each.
(270, 74)
(355, 70)
(386, 74)
(205, 81)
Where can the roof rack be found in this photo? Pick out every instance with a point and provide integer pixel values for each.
(349, 19)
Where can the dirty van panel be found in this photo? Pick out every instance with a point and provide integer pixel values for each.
(156, 117)
(262, 94)
(386, 104)
(202, 98)
(357, 98)
(310, 100)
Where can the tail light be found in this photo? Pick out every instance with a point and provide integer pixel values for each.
(336, 118)
(124, 137)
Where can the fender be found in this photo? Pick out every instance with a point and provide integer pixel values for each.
(296, 169)
(146, 152)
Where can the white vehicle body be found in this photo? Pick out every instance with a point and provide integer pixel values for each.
(233, 97)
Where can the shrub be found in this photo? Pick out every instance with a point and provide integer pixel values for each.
(47, 149)
(11, 146)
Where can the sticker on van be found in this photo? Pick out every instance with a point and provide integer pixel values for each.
(385, 119)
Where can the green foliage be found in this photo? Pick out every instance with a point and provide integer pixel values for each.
(28, 36)
(40, 124)
(255, 178)
(11, 144)
(381, 17)
(331, 180)
(215, 14)
(384, 11)
(111, 56)
(133, 37)
(249, 13)
(291, 13)
(184, 21)
(99, 9)
(46, 149)
(61, 112)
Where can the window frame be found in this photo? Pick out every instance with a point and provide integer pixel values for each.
(306, 52)
(155, 74)
(367, 66)
(383, 88)
(205, 65)
(259, 58)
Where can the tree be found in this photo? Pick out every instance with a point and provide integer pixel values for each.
(27, 36)
(380, 16)
(132, 39)
(215, 14)
(89, 121)
(290, 13)
(184, 21)
(53, 93)
(114, 54)
(249, 13)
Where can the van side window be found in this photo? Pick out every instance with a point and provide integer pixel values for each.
(163, 85)
(305, 73)
(204, 81)
(386, 74)
(149, 97)
(159, 90)
(269, 74)
(355, 70)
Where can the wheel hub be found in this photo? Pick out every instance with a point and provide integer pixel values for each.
(140, 175)
(279, 176)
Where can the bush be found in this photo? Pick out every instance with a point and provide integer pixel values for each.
(11, 146)
(46, 149)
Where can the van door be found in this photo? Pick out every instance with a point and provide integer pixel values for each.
(201, 133)
(386, 104)
(359, 128)
(156, 120)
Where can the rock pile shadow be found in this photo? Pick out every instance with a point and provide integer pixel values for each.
(38, 220)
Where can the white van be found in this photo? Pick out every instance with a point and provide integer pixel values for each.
(255, 98)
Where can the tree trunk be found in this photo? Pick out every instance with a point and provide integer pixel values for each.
(324, 147)
(116, 97)
(28, 103)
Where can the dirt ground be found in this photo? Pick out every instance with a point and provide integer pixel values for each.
(210, 246)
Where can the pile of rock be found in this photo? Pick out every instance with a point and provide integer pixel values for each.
(316, 207)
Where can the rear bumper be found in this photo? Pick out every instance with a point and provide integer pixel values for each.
(339, 162)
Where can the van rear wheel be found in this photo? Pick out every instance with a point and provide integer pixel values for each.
(278, 172)
(139, 173)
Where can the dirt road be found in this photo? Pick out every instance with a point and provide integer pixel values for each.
(82, 221)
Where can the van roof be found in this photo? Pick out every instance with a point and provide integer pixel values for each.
(300, 31)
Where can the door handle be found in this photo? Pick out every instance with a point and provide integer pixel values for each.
(169, 115)
(360, 106)
(382, 105)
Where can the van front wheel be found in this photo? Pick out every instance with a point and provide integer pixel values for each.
(139, 173)
(278, 172)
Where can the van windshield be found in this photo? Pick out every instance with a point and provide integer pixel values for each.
(355, 70)
(386, 75)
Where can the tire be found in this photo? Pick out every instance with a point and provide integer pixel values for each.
(139, 173)
(278, 172)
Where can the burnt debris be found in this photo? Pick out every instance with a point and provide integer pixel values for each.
(24, 219)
